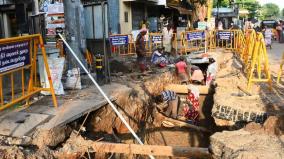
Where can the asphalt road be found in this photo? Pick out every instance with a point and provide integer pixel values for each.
(275, 56)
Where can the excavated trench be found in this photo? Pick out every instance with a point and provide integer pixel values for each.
(135, 102)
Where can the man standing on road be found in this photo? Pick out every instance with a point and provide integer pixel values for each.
(167, 38)
(141, 50)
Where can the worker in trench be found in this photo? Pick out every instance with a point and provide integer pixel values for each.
(191, 74)
(181, 70)
(190, 106)
(172, 101)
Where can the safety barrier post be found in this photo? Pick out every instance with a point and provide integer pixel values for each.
(193, 41)
(121, 44)
(155, 40)
(260, 61)
(280, 70)
(18, 55)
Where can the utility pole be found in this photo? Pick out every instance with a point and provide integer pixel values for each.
(74, 30)
(35, 7)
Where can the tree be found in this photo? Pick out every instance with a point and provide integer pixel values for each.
(252, 6)
(282, 12)
(222, 3)
(270, 10)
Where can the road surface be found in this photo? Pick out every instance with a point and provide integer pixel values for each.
(275, 56)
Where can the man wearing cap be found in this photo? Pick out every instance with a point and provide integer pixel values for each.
(141, 50)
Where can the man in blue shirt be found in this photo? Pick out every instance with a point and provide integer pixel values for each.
(172, 100)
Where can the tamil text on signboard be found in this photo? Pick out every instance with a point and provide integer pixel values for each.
(119, 40)
(224, 35)
(195, 35)
(14, 55)
(157, 39)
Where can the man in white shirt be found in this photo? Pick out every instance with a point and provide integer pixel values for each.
(167, 38)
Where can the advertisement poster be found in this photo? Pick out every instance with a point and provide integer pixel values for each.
(55, 22)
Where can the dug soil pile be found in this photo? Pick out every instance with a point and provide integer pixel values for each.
(253, 141)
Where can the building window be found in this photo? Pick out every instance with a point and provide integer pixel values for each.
(126, 17)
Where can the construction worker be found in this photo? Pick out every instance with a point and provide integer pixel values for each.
(181, 70)
(141, 49)
(172, 100)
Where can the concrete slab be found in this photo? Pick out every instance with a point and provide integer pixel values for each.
(42, 114)
(72, 111)
(19, 124)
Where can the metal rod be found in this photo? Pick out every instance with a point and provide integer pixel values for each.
(104, 95)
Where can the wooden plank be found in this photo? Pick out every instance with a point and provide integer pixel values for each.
(174, 151)
(184, 90)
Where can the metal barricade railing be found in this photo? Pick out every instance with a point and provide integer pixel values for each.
(122, 44)
(250, 41)
(258, 69)
(211, 38)
(192, 41)
(155, 40)
(225, 39)
(280, 69)
(19, 58)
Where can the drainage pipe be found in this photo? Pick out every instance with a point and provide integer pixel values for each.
(104, 95)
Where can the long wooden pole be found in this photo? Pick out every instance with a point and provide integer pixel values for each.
(155, 150)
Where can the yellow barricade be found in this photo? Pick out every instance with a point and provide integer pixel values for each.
(155, 40)
(239, 43)
(280, 70)
(225, 39)
(259, 65)
(192, 41)
(249, 46)
(122, 44)
(211, 36)
(19, 58)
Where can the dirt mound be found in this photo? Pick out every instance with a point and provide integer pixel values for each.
(121, 66)
(242, 144)
(132, 102)
(43, 138)
(272, 126)
(11, 152)
(156, 85)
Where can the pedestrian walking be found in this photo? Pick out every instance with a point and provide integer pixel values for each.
(141, 49)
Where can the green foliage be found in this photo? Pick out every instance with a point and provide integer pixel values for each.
(270, 11)
(222, 3)
(252, 6)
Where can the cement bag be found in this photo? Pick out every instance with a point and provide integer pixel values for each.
(56, 66)
(73, 80)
